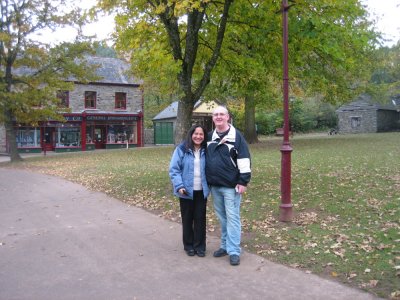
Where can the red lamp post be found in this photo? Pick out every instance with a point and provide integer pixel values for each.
(286, 213)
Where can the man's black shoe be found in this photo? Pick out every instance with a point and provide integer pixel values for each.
(200, 253)
(220, 252)
(190, 252)
(234, 259)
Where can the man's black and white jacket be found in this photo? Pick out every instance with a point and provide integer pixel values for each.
(227, 159)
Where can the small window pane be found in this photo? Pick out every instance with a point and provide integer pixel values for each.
(89, 134)
(64, 98)
(355, 122)
(90, 99)
(120, 100)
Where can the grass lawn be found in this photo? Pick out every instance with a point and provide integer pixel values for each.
(345, 192)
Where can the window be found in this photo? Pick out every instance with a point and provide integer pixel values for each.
(90, 99)
(121, 134)
(63, 96)
(68, 137)
(89, 134)
(28, 137)
(355, 122)
(120, 100)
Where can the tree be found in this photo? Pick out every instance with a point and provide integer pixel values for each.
(385, 80)
(330, 50)
(330, 47)
(32, 72)
(103, 50)
(173, 41)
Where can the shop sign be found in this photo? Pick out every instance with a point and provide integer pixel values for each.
(111, 118)
(96, 118)
(73, 118)
(121, 118)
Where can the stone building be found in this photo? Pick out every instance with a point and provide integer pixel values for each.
(164, 122)
(105, 114)
(364, 116)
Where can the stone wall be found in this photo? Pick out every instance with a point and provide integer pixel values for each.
(367, 121)
(149, 136)
(105, 100)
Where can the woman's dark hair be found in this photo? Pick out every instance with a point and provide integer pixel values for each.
(188, 140)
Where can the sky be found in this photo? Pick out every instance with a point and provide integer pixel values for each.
(101, 29)
(385, 13)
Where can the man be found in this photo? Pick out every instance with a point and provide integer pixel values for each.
(228, 172)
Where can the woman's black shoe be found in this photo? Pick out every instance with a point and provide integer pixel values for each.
(190, 252)
(200, 253)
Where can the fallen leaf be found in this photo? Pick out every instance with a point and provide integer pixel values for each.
(373, 283)
(352, 275)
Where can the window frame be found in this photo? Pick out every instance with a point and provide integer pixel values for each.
(119, 101)
(355, 122)
(63, 96)
(91, 99)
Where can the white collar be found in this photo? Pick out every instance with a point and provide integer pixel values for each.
(229, 137)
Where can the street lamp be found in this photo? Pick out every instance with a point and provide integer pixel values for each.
(286, 213)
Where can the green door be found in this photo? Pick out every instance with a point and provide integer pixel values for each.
(164, 133)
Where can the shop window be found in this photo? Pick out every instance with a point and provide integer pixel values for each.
(120, 100)
(28, 137)
(90, 99)
(63, 96)
(89, 134)
(68, 137)
(121, 134)
(355, 122)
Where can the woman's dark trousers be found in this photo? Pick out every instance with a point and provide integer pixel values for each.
(193, 213)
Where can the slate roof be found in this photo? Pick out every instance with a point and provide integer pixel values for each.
(364, 102)
(171, 111)
(112, 70)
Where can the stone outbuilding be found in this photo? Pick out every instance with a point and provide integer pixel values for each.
(364, 116)
(164, 122)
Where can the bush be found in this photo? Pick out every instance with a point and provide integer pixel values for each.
(304, 117)
(268, 122)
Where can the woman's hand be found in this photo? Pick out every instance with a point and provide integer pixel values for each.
(182, 191)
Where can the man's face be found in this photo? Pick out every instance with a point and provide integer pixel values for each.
(220, 117)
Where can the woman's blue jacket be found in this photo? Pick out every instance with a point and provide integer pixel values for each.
(181, 171)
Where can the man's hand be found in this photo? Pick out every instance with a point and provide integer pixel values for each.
(241, 189)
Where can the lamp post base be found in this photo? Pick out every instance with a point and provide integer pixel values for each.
(286, 206)
(286, 212)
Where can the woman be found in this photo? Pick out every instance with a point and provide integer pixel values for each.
(187, 173)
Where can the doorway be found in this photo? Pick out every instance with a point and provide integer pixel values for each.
(100, 137)
(48, 138)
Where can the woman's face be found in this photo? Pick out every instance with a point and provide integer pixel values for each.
(198, 136)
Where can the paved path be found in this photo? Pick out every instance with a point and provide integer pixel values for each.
(59, 240)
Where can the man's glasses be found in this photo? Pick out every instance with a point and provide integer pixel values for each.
(219, 114)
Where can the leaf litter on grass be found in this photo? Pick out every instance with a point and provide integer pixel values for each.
(345, 193)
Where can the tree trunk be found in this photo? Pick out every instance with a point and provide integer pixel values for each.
(184, 119)
(10, 134)
(250, 132)
(8, 117)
